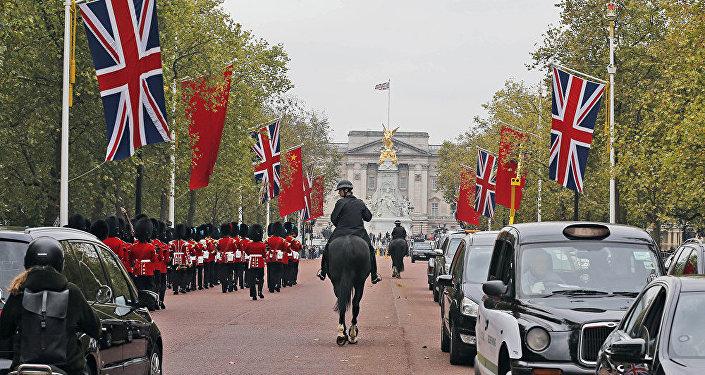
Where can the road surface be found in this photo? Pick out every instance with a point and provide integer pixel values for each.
(208, 332)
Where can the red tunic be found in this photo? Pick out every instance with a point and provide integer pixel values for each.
(181, 247)
(225, 245)
(143, 256)
(256, 251)
(295, 247)
(121, 249)
(211, 246)
(277, 249)
(162, 250)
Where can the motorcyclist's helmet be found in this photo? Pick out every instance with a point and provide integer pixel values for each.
(344, 184)
(44, 251)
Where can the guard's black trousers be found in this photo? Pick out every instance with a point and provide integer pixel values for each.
(199, 276)
(160, 284)
(373, 260)
(239, 275)
(274, 276)
(255, 279)
(225, 274)
(144, 282)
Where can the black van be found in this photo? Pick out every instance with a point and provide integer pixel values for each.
(130, 341)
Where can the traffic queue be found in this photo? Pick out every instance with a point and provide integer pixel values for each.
(186, 259)
(569, 298)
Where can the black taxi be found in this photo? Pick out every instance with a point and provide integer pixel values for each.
(555, 291)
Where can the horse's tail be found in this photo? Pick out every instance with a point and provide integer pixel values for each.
(345, 290)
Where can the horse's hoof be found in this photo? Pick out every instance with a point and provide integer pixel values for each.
(341, 341)
(352, 334)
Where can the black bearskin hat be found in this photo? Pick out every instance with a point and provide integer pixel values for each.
(100, 229)
(225, 230)
(256, 233)
(244, 230)
(295, 231)
(289, 227)
(215, 232)
(143, 230)
(270, 229)
(77, 221)
(155, 228)
(278, 229)
(161, 232)
(113, 226)
(181, 232)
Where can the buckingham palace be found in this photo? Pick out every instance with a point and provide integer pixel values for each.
(417, 176)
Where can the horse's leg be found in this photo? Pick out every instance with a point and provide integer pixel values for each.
(353, 332)
(342, 338)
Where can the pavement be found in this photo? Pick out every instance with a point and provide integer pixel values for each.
(208, 332)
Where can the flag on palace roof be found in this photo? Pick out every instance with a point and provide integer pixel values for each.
(382, 86)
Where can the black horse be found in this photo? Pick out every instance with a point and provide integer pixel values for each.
(398, 249)
(348, 268)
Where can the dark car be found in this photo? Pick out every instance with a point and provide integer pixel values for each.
(462, 294)
(130, 342)
(555, 291)
(688, 259)
(422, 250)
(662, 333)
(442, 260)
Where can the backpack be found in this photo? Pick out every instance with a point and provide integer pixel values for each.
(44, 337)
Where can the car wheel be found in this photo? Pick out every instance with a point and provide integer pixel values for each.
(413, 260)
(457, 357)
(503, 366)
(155, 362)
(445, 340)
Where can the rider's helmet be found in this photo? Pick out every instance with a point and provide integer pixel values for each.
(397, 222)
(344, 184)
(44, 251)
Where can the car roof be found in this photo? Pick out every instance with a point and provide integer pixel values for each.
(482, 235)
(691, 283)
(58, 233)
(553, 231)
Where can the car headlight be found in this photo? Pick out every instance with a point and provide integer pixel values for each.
(468, 307)
(537, 339)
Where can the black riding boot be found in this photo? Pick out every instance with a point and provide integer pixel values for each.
(373, 267)
(324, 264)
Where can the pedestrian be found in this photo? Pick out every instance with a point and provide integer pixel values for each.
(40, 288)
(349, 215)
(255, 250)
(143, 255)
(225, 251)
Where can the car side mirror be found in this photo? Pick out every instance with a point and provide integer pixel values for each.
(438, 252)
(444, 280)
(148, 299)
(494, 288)
(627, 350)
(104, 294)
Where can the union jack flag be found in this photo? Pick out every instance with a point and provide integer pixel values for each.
(123, 36)
(308, 189)
(576, 102)
(485, 182)
(267, 167)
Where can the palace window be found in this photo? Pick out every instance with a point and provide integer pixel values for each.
(434, 208)
(434, 183)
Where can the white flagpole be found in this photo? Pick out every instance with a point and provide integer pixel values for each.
(172, 157)
(540, 182)
(64, 179)
(611, 70)
(268, 218)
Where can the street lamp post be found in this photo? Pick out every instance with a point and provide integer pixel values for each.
(611, 16)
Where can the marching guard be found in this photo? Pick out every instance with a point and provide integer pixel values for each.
(179, 255)
(225, 257)
(143, 256)
(162, 251)
(240, 264)
(255, 250)
(276, 247)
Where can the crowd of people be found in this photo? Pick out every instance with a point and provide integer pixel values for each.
(184, 259)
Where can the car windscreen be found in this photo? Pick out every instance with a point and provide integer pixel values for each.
(423, 246)
(452, 248)
(11, 263)
(585, 268)
(477, 264)
(685, 341)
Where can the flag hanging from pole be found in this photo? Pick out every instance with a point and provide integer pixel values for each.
(266, 168)
(509, 141)
(291, 196)
(485, 183)
(313, 196)
(382, 86)
(576, 102)
(465, 205)
(123, 36)
(207, 107)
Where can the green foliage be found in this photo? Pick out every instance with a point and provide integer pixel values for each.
(198, 39)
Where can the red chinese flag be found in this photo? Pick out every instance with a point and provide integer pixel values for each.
(465, 210)
(317, 197)
(507, 168)
(207, 107)
(291, 195)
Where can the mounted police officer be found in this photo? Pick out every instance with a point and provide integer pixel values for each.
(398, 231)
(349, 216)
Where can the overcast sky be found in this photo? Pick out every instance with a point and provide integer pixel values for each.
(444, 57)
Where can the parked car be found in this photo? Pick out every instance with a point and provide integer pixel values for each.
(662, 333)
(555, 291)
(130, 342)
(443, 258)
(462, 295)
(422, 250)
(688, 259)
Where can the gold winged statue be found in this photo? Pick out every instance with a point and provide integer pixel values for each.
(388, 152)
